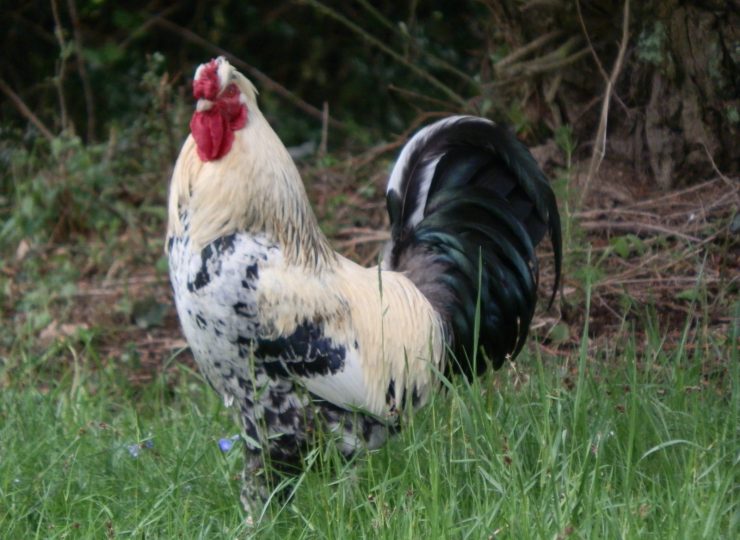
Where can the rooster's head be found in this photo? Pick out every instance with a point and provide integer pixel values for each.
(222, 107)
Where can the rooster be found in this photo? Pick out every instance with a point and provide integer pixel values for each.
(302, 340)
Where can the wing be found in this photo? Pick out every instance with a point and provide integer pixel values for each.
(359, 339)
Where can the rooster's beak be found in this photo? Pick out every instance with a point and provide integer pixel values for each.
(203, 105)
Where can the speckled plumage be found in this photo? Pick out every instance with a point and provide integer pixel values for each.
(277, 378)
(300, 340)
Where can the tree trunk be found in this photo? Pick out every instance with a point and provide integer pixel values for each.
(675, 109)
(692, 115)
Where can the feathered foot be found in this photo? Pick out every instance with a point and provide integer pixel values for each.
(255, 483)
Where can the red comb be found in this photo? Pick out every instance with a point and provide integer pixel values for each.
(206, 85)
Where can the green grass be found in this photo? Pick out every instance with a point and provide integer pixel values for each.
(613, 444)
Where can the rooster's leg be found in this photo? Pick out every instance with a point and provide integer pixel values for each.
(276, 433)
(355, 431)
(255, 483)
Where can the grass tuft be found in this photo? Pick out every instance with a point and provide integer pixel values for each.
(641, 446)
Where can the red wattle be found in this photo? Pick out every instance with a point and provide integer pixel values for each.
(213, 129)
(212, 134)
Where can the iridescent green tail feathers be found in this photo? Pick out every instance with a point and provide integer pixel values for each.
(468, 206)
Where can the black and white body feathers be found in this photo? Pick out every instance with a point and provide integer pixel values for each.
(300, 340)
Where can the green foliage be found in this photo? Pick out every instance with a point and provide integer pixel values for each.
(639, 446)
(68, 189)
(626, 245)
(64, 192)
(565, 140)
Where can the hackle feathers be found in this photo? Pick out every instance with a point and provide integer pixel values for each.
(255, 187)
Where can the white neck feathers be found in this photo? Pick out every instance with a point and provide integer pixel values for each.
(256, 188)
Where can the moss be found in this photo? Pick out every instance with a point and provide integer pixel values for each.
(650, 44)
(733, 115)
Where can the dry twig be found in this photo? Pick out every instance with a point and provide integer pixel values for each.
(323, 145)
(408, 38)
(326, 10)
(376, 151)
(146, 25)
(25, 111)
(724, 178)
(523, 51)
(600, 140)
(61, 69)
(82, 70)
(636, 227)
(415, 97)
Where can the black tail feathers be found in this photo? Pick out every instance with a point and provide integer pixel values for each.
(468, 205)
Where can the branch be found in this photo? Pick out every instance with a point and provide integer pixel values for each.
(416, 97)
(253, 72)
(722, 176)
(600, 141)
(590, 44)
(62, 65)
(601, 225)
(593, 51)
(86, 88)
(25, 111)
(36, 28)
(387, 50)
(410, 40)
(373, 153)
(323, 145)
(145, 26)
(526, 49)
(542, 65)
